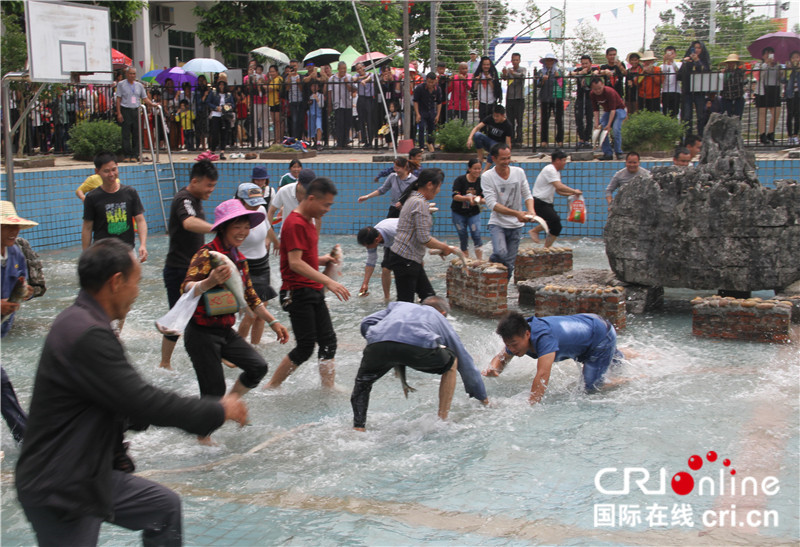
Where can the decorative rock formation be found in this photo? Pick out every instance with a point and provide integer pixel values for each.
(542, 261)
(752, 319)
(707, 227)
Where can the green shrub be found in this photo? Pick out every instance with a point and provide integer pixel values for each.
(453, 135)
(651, 131)
(87, 139)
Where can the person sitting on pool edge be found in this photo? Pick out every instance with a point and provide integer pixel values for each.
(587, 338)
(417, 336)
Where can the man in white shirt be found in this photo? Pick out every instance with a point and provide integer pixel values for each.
(670, 85)
(289, 197)
(505, 189)
(340, 87)
(547, 184)
(371, 237)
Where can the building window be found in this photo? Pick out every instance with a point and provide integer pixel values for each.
(238, 60)
(181, 46)
(122, 38)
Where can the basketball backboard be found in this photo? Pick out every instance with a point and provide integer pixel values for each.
(65, 38)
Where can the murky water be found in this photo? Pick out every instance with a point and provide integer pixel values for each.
(509, 473)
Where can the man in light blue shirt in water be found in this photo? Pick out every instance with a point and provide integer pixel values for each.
(585, 337)
(370, 237)
(417, 336)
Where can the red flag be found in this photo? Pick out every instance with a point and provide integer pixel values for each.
(597, 16)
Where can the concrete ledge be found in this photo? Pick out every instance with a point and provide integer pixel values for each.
(34, 162)
(582, 155)
(288, 155)
(753, 319)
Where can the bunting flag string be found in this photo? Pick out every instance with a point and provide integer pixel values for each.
(615, 11)
(597, 16)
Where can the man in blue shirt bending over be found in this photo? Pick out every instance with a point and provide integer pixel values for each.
(585, 337)
(417, 336)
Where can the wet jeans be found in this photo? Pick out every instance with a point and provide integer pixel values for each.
(462, 223)
(616, 131)
(505, 244)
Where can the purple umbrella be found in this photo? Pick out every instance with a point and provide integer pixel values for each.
(178, 76)
(784, 43)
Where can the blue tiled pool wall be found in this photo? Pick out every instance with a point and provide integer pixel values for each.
(49, 196)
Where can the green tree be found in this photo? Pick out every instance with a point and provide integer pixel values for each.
(588, 40)
(119, 12)
(295, 28)
(735, 28)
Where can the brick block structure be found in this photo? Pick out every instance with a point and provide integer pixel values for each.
(752, 319)
(536, 262)
(607, 302)
(481, 288)
(794, 300)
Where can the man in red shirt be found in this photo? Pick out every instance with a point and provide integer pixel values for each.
(612, 118)
(303, 290)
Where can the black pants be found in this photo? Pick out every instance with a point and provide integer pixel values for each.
(558, 108)
(138, 504)
(380, 357)
(652, 105)
(311, 324)
(366, 118)
(173, 279)
(548, 213)
(515, 108)
(208, 346)
(342, 123)
(409, 278)
(793, 115)
(13, 414)
(583, 116)
(130, 132)
(670, 104)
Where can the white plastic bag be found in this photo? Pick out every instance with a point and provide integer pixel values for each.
(176, 319)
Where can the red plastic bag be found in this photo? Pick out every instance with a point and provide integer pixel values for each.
(577, 210)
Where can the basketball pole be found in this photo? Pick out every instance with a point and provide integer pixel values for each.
(8, 131)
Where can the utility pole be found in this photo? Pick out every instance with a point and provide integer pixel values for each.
(434, 18)
(644, 32)
(406, 76)
(712, 22)
(486, 27)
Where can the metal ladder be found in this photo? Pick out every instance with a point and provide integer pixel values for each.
(162, 172)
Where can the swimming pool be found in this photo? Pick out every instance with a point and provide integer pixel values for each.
(509, 473)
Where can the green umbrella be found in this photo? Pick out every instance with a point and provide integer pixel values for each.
(349, 55)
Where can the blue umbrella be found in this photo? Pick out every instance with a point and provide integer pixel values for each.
(204, 64)
(150, 77)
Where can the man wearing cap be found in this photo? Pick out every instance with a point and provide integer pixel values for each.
(302, 292)
(74, 471)
(110, 209)
(371, 237)
(13, 268)
(733, 84)
(613, 116)
(650, 83)
(255, 249)
(515, 96)
(551, 84)
(187, 227)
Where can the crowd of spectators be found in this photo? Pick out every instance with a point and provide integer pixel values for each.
(341, 106)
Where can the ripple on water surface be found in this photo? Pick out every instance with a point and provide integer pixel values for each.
(488, 475)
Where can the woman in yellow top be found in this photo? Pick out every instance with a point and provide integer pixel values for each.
(274, 87)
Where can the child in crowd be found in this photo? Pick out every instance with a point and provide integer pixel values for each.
(185, 117)
(316, 107)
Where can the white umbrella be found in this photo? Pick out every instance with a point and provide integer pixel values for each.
(273, 55)
(204, 64)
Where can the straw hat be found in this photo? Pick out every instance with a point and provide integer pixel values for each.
(648, 56)
(732, 58)
(633, 54)
(233, 208)
(8, 216)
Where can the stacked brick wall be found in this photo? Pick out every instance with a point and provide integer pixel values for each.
(542, 262)
(752, 319)
(607, 302)
(794, 300)
(481, 287)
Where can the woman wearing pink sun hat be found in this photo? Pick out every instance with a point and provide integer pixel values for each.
(219, 274)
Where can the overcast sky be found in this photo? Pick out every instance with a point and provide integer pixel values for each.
(625, 31)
